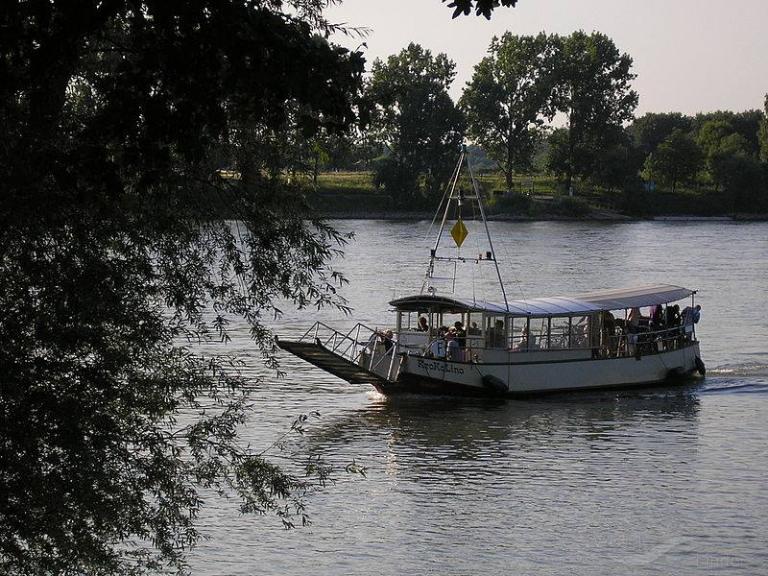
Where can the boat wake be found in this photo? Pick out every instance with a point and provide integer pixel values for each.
(748, 378)
(749, 369)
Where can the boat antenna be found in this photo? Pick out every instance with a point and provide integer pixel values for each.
(458, 196)
(448, 188)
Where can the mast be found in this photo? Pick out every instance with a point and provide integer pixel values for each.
(455, 195)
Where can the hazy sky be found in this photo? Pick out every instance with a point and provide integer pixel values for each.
(689, 55)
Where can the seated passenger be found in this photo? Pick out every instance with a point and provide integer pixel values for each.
(527, 342)
(496, 335)
(437, 346)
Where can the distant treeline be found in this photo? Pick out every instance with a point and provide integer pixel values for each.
(525, 87)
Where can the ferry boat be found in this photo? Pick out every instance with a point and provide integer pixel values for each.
(441, 343)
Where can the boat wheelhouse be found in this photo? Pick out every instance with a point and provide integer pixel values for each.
(444, 344)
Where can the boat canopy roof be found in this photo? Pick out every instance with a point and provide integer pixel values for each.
(597, 301)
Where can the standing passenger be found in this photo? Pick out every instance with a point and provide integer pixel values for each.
(690, 316)
(461, 334)
(453, 350)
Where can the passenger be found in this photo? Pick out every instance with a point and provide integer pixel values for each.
(633, 328)
(690, 316)
(423, 324)
(453, 350)
(474, 330)
(673, 316)
(527, 342)
(609, 343)
(609, 325)
(437, 346)
(386, 339)
(461, 334)
(657, 318)
(496, 335)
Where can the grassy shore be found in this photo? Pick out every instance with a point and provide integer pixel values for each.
(354, 195)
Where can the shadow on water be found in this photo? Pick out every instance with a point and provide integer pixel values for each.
(464, 429)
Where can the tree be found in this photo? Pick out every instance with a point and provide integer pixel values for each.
(482, 7)
(508, 99)
(617, 162)
(675, 161)
(719, 142)
(652, 129)
(415, 119)
(746, 124)
(114, 254)
(593, 90)
(763, 134)
(742, 178)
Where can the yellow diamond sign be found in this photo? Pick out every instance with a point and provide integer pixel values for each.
(459, 232)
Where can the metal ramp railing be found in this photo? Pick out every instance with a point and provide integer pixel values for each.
(356, 355)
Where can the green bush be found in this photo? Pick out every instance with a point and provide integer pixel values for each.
(572, 206)
(514, 203)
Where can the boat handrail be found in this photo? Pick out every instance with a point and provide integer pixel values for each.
(347, 345)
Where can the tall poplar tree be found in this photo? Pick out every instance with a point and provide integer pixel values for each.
(509, 98)
(593, 90)
(415, 120)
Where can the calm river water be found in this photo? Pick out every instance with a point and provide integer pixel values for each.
(668, 480)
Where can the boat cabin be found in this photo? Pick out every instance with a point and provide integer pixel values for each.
(606, 323)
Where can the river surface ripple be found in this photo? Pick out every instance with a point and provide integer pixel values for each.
(668, 480)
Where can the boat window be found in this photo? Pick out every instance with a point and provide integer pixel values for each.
(474, 325)
(517, 331)
(559, 334)
(580, 332)
(538, 332)
(495, 332)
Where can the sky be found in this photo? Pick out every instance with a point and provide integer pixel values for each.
(689, 55)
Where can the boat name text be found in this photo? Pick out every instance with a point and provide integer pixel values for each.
(439, 366)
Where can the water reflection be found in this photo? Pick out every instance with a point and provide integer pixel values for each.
(429, 439)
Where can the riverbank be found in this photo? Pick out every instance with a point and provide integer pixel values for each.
(597, 217)
(353, 195)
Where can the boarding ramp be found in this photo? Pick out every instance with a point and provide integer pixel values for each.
(356, 356)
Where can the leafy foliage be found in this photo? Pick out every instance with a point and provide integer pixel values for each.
(652, 129)
(482, 7)
(746, 124)
(508, 99)
(676, 160)
(115, 263)
(763, 134)
(593, 90)
(414, 118)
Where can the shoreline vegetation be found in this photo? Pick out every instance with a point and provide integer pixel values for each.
(550, 127)
(352, 195)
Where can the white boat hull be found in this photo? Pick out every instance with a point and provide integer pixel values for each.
(530, 376)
